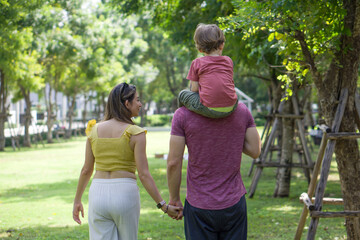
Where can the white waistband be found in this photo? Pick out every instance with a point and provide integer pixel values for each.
(114, 180)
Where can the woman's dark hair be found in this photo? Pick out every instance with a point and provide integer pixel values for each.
(115, 106)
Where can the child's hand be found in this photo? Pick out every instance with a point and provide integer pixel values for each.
(194, 86)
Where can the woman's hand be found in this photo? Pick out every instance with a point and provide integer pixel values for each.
(78, 207)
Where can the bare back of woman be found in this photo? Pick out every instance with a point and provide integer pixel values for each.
(113, 129)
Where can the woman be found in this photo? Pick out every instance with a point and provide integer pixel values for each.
(118, 147)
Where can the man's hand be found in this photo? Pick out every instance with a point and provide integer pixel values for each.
(174, 168)
(180, 212)
(173, 211)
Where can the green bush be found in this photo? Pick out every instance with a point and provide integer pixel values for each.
(157, 120)
(260, 121)
(8, 141)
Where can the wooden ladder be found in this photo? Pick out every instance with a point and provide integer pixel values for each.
(261, 162)
(326, 150)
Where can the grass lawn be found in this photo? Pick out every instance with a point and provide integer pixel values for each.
(37, 187)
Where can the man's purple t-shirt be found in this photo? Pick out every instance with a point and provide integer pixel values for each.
(215, 147)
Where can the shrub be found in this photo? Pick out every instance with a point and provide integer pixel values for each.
(156, 120)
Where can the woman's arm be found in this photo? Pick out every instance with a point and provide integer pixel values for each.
(144, 173)
(84, 178)
(252, 143)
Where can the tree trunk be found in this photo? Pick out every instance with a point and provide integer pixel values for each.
(276, 91)
(348, 161)
(347, 151)
(309, 120)
(345, 75)
(284, 174)
(70, 114)
(142, 110)
(84, 112)
(49, 111)
(3, 112)
(102, 106)
(26, 94)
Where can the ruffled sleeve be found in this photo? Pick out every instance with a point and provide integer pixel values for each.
(134, 130)
(90, 127)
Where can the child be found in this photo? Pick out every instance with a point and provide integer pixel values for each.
(212, 90)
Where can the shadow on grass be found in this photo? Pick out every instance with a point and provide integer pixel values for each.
(61, 144)
(152, 225)
(44, 232)
(36, 192)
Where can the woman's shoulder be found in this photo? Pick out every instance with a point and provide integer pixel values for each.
(135, 130)
(90, 127)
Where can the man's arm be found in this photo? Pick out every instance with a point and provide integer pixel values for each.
(252, 143)
(174, 169)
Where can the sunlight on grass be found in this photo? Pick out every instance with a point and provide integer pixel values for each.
(151, 210)
(163, 171)
(284, 208)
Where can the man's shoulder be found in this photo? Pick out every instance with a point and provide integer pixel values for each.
(241, 109)
(183, 111)
(241, 106)
(180, 112)
(185, 114)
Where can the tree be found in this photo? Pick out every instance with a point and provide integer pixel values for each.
(322, 38)
(118, 54)
(142, 76)
(77, 79)
(172, 61)
(29, 80)
(13, 37)
(168, 29)
(18, 67)
(54, 43)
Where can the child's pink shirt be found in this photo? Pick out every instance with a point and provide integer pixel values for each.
(215, 77)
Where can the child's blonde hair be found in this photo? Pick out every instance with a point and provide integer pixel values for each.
(208, 37)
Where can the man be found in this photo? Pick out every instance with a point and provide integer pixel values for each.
(215, 205)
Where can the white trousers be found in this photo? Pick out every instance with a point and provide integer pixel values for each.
(114, 209)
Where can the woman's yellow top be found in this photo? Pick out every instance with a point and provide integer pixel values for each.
(113, 154)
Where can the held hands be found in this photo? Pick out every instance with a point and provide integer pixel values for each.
(78, 207)
(176, 211)
(172, 211)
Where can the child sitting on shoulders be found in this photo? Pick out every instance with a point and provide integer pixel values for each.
(212, 90)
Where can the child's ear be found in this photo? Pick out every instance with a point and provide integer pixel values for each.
(221, 47)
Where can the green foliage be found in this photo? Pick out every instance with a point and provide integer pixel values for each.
(82, 51)
(259, 120)
(172, 62)
(156, 120)
(286, 22)
(178, 18)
